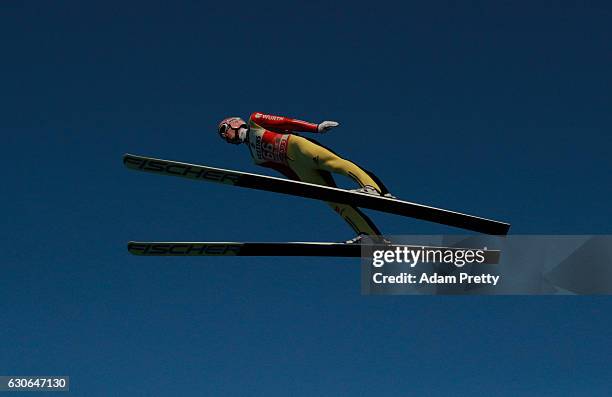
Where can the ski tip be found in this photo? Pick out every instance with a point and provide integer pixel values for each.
(126, 158)
(130, 247)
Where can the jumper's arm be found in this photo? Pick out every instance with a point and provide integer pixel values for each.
(280, 123)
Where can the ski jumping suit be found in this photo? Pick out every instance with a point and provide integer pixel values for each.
(273, 145)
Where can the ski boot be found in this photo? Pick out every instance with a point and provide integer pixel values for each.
(367, 189)
(359, 239)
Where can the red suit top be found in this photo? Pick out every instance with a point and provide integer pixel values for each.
(269, 137)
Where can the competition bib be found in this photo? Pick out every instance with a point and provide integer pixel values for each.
(268, 146)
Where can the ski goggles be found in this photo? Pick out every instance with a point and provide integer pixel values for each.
(232, 123)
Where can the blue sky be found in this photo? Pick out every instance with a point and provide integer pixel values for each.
(501, 110)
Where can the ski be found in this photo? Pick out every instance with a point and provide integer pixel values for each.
(274, 249)
(317, 192)
(243, 249)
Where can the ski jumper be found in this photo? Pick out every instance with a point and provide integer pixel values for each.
(273, 145)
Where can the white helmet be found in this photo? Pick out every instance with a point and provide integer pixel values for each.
(233, 130)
